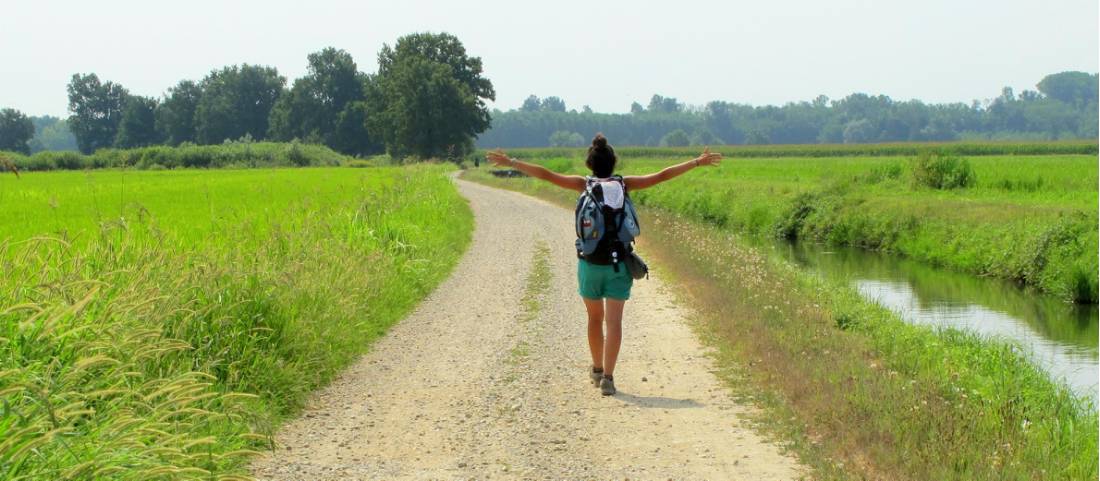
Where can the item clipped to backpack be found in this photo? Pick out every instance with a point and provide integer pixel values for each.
(605, 233)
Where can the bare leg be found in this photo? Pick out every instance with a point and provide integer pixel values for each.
(614, 320)
(595, 330)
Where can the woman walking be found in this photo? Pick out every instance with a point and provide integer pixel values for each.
(604, 282)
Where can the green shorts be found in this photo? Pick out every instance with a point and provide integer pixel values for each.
(600, 281)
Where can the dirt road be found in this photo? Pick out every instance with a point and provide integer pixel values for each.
(488, 379)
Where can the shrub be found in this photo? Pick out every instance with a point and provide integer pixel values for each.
(941, 171)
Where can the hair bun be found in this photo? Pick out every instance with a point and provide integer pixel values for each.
(600, 142)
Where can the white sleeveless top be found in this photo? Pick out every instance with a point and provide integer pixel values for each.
(612, 193)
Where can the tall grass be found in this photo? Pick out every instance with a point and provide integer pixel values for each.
(142, 352)
(241, 154)
(851, 382)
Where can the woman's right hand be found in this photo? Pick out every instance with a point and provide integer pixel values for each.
(498, 158)
(708, 158)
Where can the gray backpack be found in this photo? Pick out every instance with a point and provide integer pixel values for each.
(604, 235)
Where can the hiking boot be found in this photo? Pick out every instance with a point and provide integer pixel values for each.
(596, 374)
(607, 385)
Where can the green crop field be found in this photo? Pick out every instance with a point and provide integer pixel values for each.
(158, 325)
(1029, 218)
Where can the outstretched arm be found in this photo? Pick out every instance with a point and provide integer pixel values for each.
(571, 182)
(635, 182)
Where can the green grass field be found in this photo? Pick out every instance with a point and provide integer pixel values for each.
(160, 325)
(1029, 218)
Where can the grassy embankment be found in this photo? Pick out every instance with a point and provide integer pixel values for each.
(1027, 218)
(235, 155)
(160, 325)
(859, 392)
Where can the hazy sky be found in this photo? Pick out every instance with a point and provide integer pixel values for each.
(604, 54)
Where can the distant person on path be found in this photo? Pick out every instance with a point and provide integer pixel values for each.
(604, 280)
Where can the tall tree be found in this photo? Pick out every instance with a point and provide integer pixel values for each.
(321, 105)
(428, 99)
(96, 111)
(553, 104)
(175, 116)
(666, 105)
(236, 101)
(1075, 88)
(16, 129)
(138, 126)
(531, 104)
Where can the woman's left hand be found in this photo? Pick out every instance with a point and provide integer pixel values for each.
(708, 158)
(498, 158)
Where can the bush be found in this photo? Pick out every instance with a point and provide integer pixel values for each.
(941, 171)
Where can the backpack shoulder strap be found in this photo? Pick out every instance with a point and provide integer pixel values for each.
(618, 178)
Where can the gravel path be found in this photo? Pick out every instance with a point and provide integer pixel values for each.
(477, 384)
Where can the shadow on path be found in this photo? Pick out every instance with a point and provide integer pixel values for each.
(657, 401)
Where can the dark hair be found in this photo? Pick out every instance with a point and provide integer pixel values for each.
(601, 157)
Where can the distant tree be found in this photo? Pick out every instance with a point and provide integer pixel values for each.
(175, 115)
(138, 125)
(96, 111)
(1075, 88)
(553, 104)
(16, 129)
(236, 101)
(859, 131)
(531, 104)
(664, 105)
(428, 98)
(757, 137)
(565, 138)
(705, 137)
(586, 109)
(1065, 110)
(51, 133)
(676, 138)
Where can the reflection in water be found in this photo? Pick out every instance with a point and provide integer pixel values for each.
(1060, 337)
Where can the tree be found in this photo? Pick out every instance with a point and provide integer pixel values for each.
(138, 125)
(16, 129)
(636, 108)
(51, 133)
(316, 104)
(859, 131)
(352, 136)
(531, 104)
(236, 101)
(428, 98)
(565, 138)
(175, 116)
(664, 105)
(1074, 88)
(676, 138)
(553, 104)
(96, 111)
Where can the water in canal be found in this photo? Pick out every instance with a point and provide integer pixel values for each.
(1060, 337)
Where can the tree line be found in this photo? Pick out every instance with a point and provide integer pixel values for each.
(427, 99)
(1063, 106)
